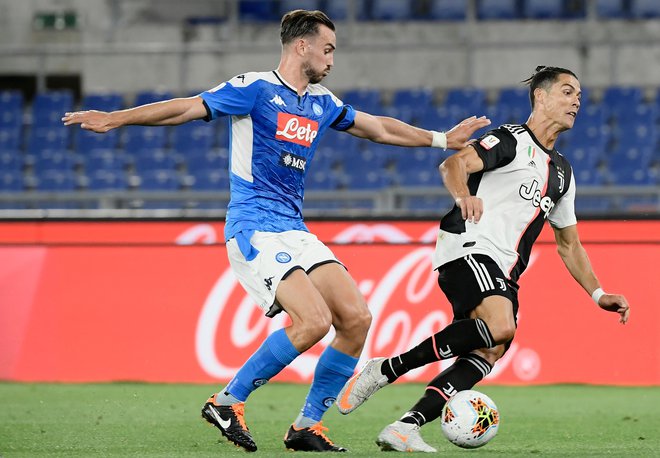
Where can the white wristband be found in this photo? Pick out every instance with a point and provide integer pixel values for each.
(439, 140)
(597, 294)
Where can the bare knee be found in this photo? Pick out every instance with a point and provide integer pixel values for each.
(308, 330)
(502, 329)
(491, 354)
(353, 327)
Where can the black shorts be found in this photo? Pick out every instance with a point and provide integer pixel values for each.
(467, 281)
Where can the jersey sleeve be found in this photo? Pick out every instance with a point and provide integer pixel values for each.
(233, 97)
(563, 214)
(496, 149)
(343, 116)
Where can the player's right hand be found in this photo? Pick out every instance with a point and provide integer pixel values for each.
(472, 207)
(615, 303)
(96, 121)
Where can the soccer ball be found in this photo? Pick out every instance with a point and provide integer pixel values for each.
(470, 419)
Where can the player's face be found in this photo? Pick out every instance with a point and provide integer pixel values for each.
(319, 54)
(563, 101)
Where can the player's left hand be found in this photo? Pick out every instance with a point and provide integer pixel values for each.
(615, 303)
(458, 136)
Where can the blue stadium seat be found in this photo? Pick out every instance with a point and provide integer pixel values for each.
(448, 10)
(338, 10)
(598, 136)
(206, 160)
(622, 99)
(11, 100)
(498, 116)
(49, 107)
(105, 161)
(144, 97)
(588, 177)
(584, 157)
(194, 136)
(60, 160)
(543, 9)
(138, 138)
(11, 118)
(222, 128)
(419, 177)
(48, 138)
(10, 138)
(612, 9)
(498, 9)
(634, 177)
(148, 159)
(10, 160)
(56, 180)
(374, 179)
(321, 180)
(339, 142)
(102, 102)
(159, 180)
(645, 9)
(391, 10)
(514, 98)
(630, 158)
(107, 180)
(290, 5)
(86, 140)
(368, 100)
(591, 115)
(210, 180)
(11, 181)
(467, 100)
(413, 99)
(257, 10)
(417, 159)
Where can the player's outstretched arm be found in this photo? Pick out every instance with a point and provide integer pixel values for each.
(382, 129)
(166, 113)
(577, 262)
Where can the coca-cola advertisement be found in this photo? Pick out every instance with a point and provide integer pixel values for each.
(157, 302)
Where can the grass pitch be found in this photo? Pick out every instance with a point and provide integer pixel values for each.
(145, 420)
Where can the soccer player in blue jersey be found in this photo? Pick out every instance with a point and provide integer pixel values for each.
(277, 119)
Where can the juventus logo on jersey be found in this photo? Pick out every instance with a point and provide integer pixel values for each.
(560, 174)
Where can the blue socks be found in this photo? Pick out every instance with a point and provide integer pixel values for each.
(275, 354)
(332, 371)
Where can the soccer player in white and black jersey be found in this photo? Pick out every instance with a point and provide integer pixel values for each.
(505, 185)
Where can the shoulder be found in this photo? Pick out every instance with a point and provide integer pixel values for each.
(247, 79)
(318, 90)
(562, 162)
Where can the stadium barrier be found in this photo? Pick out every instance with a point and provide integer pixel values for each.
(156, 301)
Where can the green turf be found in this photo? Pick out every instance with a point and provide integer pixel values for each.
(128, 419)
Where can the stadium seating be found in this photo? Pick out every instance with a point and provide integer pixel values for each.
(49, 107)
(448, 10)
(391, 10)
(644, 9)
(102, 102)
(611, 9)
(498, 9)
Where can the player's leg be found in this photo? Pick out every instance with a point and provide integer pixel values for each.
(290, 287)
(467, 282)
(351, 320)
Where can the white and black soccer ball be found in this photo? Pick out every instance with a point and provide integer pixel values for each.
(470, 419)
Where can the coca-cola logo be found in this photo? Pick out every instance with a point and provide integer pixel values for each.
(296, 129)
(402, 293)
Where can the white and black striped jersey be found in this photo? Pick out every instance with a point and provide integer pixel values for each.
(522, 183)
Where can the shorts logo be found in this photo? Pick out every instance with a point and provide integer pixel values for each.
(318, 111)
(282, 257)
(269, 283)
(259, 382)
(489, 142)
(293, 161)
(296, 129)
(329, 401)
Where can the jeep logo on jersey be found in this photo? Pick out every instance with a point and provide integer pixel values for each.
(292, 161)
(295, 129)
(533, 193)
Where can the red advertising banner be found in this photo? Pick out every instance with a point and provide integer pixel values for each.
(157, 302)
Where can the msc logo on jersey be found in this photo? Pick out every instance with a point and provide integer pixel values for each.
(533, 193)
(292, 161)
(296, 129)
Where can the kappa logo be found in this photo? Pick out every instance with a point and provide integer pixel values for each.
(268, 282)
(296, 129)
(489, 141)
(277, 100)
(292, 161)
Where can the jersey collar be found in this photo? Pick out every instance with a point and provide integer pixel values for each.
(536, 140)
(288, 85)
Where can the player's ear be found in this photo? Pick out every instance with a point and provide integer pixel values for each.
(300, 46)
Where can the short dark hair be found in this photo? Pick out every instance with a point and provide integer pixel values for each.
(544, 77)
(301, 23)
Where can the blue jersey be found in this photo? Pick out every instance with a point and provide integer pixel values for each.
(274, 134)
